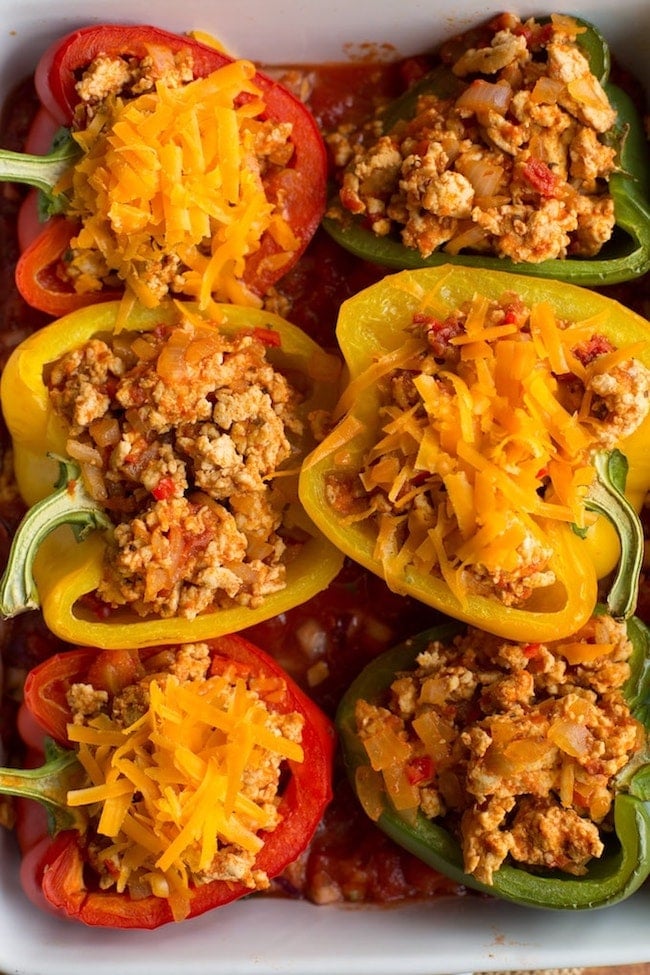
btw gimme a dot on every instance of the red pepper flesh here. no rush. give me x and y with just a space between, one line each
53 869
300 187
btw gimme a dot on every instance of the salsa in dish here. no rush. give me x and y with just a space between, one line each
147 435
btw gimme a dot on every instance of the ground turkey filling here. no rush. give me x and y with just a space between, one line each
514 165
515 747
179 432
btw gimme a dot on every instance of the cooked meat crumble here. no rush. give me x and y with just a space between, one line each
515 747
127 77
179 432
514 165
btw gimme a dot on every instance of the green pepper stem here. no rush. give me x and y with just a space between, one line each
49 784
70 505
43 172
606 497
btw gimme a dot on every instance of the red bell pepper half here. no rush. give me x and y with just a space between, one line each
55 871
40 277
301 186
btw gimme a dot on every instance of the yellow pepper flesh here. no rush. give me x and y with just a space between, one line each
67 570
371 327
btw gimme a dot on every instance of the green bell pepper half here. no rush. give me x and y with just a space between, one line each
624 257
616 875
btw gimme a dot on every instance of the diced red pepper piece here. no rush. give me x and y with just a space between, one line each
541 177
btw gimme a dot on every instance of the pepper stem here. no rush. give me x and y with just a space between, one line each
43 172
49 784
70 505
606 497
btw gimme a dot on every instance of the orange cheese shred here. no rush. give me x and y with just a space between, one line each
480 450
170 184
171 787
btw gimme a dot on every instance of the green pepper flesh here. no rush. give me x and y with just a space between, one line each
625 257
616 875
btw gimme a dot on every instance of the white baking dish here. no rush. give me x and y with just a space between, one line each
262 937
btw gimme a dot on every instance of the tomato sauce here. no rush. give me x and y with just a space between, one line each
324 643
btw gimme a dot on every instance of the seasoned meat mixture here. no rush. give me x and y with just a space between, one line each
179 432
108 76
486 432
515 747
136 737
514 165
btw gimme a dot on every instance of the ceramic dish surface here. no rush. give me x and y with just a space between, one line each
265 936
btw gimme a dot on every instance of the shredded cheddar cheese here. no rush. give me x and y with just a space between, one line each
170 190
182 794
488 421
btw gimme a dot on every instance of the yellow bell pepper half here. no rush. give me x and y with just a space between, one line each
68 565
426 555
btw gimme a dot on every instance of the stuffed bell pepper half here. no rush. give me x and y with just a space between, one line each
515 152
179 170
489 453
178 442
177 779
518 768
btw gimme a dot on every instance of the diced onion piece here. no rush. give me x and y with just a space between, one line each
85 453
95 484
105 431
386 749
546 90
572 738
435 733
369 789
470 239
587 91
567 782
483 96
404 796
